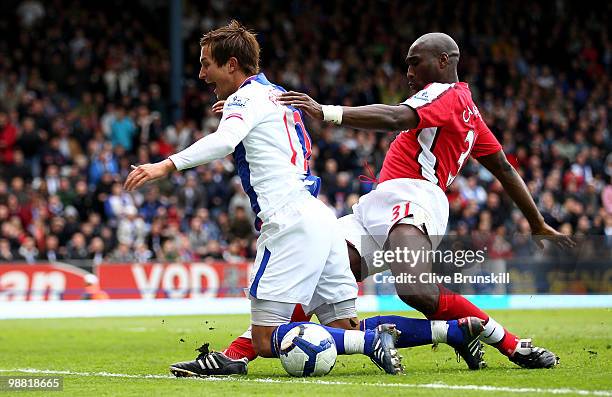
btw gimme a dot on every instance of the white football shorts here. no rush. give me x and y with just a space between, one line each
302 257
406 201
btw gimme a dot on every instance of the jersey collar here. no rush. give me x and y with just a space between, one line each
260 78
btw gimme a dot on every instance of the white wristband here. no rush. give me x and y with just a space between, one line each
332 113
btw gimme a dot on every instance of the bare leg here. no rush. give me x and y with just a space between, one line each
422 296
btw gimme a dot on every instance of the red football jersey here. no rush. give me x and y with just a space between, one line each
450 129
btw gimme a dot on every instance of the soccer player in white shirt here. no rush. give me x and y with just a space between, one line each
301 251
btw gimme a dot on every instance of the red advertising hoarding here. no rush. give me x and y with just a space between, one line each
173 280
58 281
39 282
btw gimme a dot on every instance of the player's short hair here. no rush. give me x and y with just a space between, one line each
233 40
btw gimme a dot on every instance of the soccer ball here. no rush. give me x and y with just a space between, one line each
308 350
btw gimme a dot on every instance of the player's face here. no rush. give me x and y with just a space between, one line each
423 68
217 75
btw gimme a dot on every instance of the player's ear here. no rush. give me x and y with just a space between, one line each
443 60
232 64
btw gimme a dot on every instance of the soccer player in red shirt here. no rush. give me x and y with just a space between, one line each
441 127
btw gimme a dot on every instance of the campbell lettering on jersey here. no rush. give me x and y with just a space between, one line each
469 112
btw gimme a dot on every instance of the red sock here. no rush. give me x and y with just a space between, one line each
507 345
242 347
452 306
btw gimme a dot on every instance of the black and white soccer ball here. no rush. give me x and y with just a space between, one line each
308 350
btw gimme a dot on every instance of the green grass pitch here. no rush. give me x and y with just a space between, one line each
92 349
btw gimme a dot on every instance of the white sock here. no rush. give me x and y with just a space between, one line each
493 332
354 342
439 331
247 334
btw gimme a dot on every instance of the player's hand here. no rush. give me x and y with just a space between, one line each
303 102
218 107
546 232
147 172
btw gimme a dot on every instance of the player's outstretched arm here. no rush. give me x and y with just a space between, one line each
376 117
513 184
147 172
209 148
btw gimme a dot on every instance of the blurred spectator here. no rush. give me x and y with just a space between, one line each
132 228
30 12
122 254
118 204
240 199
77 247
191 196
213 250
104 162
197 236
471 191
6 253
30 142
240 226
96 250
51 252
142 254
233 253
149 208
8 137
19 167
606 197
169 251
122 130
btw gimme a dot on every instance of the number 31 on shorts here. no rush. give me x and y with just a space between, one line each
400 211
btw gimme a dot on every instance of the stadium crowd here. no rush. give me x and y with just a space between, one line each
83 95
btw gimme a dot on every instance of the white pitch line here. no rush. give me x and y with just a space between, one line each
440 386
